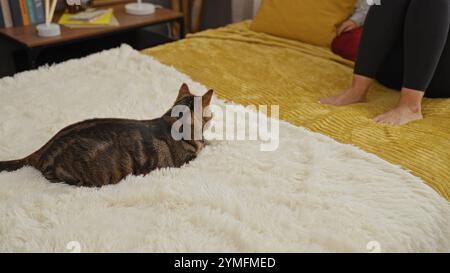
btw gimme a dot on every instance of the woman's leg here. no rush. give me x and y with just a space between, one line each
425 37
391 71
391 75
382 30
440 85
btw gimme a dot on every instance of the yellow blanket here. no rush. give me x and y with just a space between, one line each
253 68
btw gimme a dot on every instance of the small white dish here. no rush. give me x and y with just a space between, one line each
50 30
140 8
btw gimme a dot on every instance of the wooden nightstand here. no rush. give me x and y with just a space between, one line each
191 10
26 37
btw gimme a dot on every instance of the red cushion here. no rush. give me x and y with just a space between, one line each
347 44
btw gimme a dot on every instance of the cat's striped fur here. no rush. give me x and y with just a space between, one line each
99 152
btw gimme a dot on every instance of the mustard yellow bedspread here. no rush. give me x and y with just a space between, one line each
253 68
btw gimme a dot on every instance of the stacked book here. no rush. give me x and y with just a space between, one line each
88 19
14 13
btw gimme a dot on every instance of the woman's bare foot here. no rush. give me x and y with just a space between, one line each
408 109
400 115
355 94
349 96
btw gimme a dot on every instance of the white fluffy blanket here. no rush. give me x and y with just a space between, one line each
312 194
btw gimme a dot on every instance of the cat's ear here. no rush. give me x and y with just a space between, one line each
184 91
206 99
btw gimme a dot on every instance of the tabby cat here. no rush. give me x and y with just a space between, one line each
99 152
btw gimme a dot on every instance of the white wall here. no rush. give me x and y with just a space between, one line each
256 4
244 9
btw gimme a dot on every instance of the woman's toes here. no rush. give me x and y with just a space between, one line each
385 118
329 100
323 101
379 118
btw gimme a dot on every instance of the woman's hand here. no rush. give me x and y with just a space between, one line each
346 26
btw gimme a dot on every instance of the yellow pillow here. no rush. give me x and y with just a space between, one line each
311 21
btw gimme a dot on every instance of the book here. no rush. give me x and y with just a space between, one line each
40 13
113 23
2 22
31 11
15 13
6 12
98 3
88 15
23 12
103 20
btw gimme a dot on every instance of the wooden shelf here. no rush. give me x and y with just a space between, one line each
27 35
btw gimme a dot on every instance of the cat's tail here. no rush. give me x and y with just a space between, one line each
12 165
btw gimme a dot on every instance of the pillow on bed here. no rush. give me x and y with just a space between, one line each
311 21
347 44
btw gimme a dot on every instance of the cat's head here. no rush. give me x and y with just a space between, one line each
198 108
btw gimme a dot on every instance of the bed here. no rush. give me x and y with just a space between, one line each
312 194
247 67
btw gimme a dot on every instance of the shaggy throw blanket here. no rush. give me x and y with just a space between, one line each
312 194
